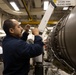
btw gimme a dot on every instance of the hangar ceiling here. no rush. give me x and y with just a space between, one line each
35 10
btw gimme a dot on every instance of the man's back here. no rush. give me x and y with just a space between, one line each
17 53
14 63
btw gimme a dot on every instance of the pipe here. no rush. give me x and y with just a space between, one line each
37 22
25 6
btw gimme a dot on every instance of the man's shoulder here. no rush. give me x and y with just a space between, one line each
11 40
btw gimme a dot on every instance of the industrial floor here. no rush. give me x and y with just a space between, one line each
1 69
31 71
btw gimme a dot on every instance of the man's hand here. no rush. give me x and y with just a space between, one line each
27 27
35 31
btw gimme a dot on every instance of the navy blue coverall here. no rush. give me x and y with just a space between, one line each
17 53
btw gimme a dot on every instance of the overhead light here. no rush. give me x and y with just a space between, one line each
65 8
13 4
46 3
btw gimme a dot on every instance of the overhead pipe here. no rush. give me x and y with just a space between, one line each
25 6
37 22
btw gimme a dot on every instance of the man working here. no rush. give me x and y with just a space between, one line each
17 52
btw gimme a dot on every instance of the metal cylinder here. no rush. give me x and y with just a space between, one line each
63 40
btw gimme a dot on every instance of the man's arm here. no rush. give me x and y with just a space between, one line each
25 34
31 50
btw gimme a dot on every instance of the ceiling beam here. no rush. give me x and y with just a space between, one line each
37 3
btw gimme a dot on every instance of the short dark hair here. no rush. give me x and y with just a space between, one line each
7 25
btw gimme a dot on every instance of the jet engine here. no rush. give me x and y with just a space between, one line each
61 43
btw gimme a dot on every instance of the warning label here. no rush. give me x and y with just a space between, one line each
65 3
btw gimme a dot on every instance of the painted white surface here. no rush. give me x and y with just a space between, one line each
2 33
1 50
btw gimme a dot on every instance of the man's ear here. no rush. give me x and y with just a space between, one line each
11 30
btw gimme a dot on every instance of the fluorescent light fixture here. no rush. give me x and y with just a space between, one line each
46 3
13 4
65 8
